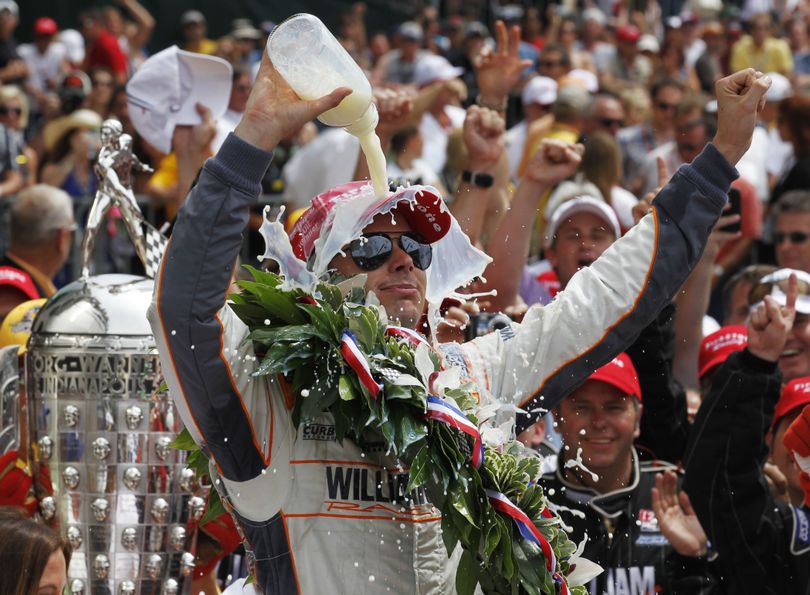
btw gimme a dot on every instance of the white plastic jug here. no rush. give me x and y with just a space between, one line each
314 64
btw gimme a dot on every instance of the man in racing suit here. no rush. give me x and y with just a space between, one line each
319 516
604 492
763 544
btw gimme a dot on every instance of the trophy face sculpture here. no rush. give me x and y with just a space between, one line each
98 421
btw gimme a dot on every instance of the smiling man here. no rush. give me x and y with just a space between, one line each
792 234
299 496
604 491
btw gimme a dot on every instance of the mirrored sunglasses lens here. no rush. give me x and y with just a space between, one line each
420 253
371 252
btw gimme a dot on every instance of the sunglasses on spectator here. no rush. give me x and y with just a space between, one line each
4 110
794 237
667 107
374 249
550 63
611 123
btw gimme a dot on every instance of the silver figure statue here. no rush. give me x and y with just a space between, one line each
114 170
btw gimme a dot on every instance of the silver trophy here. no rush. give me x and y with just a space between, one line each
114 170
99 423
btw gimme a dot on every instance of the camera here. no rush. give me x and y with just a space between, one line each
486 322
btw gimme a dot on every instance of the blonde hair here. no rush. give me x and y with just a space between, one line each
637 105
14 92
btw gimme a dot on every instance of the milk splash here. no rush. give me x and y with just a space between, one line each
277 247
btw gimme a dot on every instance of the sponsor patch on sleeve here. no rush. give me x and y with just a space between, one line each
801 531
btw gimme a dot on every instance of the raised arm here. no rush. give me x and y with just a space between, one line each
553 162
198 342
606 305
724 462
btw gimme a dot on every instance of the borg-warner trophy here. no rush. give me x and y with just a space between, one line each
99 423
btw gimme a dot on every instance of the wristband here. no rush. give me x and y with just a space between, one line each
496 108
478 178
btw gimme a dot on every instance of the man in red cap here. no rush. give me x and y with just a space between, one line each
715 349
762 543
797 441
795 396
299 496
605 492
627 66
47 61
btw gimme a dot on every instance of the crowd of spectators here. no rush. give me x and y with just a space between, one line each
473 103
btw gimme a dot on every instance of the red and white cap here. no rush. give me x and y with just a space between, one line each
428 216
621 373
795 394
715 348
14 277
340 214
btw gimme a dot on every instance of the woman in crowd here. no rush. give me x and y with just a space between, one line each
14 111
71 145
33 557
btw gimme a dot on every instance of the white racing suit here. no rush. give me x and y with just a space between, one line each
321 517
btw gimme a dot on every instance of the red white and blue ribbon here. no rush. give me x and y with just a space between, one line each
529 532
443 411
357 362
410 335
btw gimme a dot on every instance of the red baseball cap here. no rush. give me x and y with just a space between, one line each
621 373
45 26
629 33
715 348
427 215
795 394
14 277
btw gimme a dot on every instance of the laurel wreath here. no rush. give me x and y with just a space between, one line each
298 337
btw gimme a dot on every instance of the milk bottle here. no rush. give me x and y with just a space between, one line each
314 63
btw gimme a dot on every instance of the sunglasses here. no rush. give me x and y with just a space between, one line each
550 63
4 111
374 249
611 123
794 237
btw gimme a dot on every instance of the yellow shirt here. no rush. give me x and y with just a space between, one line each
773 56
204 46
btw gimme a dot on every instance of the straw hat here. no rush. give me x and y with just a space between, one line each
82 118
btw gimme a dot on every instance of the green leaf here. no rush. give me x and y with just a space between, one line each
278 303
331 295
450 534
288 333
419 470
184 441
345 389
213 508
467 574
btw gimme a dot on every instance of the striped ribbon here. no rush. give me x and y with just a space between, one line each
443 411
410 335
529 532
357 362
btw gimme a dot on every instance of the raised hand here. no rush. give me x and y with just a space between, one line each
770 324
740 96
483 137
499 71
394 108
274 111
553 162
676 518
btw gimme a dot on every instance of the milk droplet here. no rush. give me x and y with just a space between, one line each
371 578
174 332
304 392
